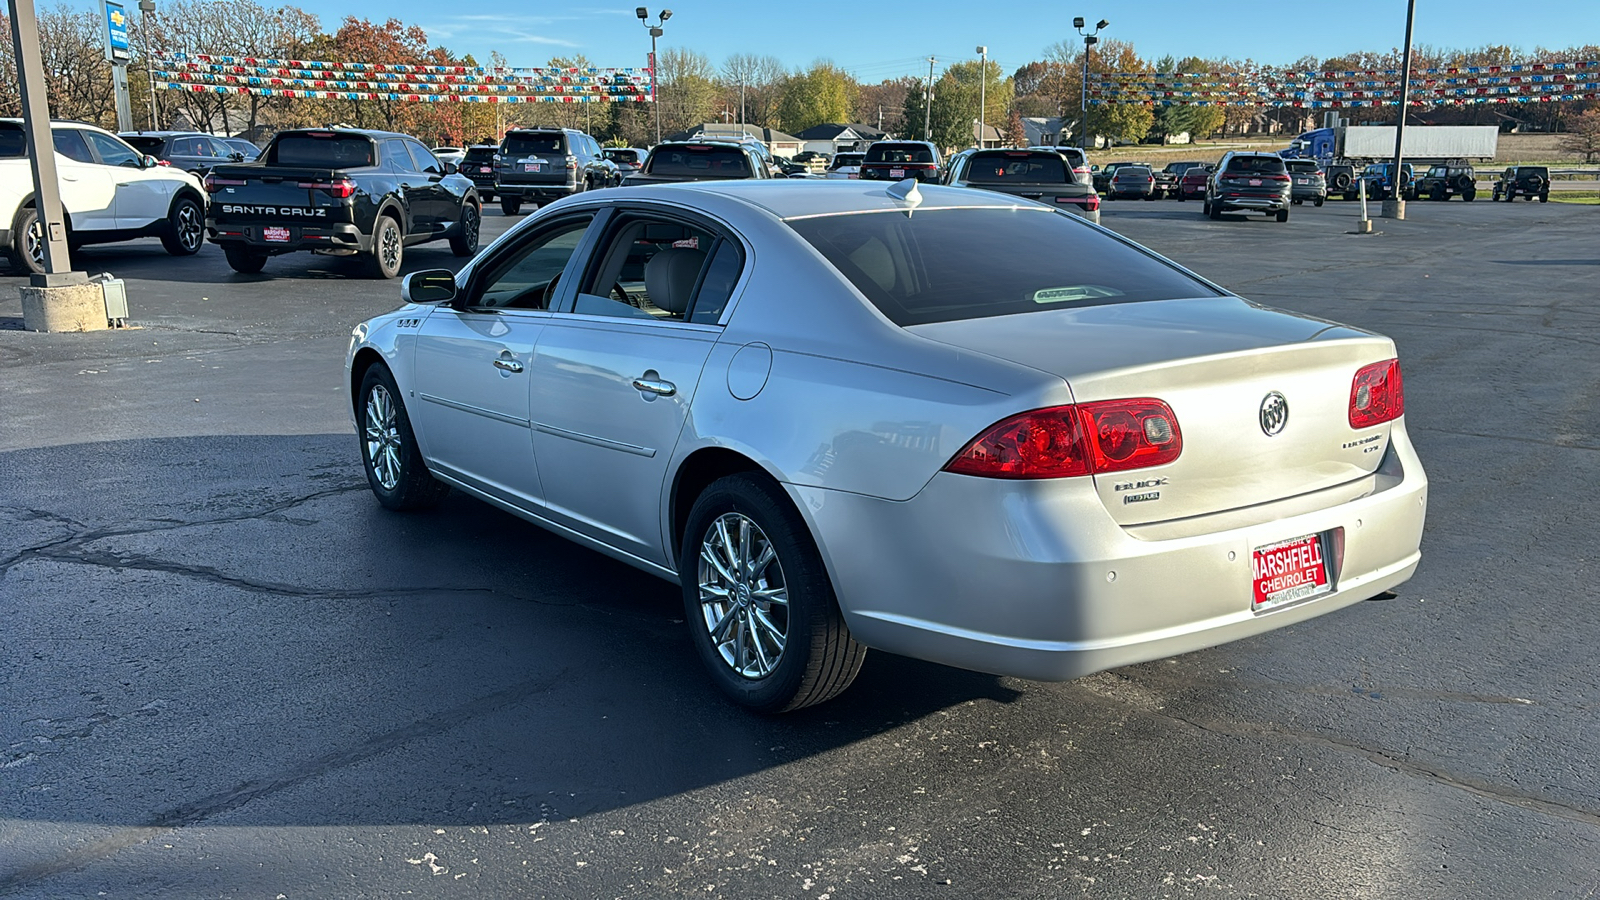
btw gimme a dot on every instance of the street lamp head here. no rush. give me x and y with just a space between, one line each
666 14
642 13
983 51
1077 22
1089 40
1101 24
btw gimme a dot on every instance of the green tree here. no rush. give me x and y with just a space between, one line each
822 93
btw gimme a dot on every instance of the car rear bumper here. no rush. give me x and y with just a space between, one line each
1034 579
1308 192
535 190
1253 202
301 237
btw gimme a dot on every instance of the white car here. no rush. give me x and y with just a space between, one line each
110 192
450 156
845 165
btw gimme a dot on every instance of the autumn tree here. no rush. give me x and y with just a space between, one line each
820 94
752 87
883 104
688 90
1583 135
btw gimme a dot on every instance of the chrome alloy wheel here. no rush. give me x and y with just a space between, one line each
389 247
469 227
33 242
744 600
382 437
190 228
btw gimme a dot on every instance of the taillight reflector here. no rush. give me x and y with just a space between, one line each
1074 440
1377 394
212 183
336 189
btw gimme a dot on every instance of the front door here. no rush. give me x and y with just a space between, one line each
616 371
474 363
143 196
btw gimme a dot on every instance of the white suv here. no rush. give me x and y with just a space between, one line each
111 192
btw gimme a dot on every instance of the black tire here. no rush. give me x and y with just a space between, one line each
395 471
1463 183
1180 197
1283 215
1544 197
1437 193
186 228
1319 201
27 242
1470 194
510 205
818 658
1533 185
243 259
1214 211
465 241
388 248
1341 182
486 197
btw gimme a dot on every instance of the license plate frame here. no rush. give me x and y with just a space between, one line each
897 173
533 167
1289 571
273 234
1255 182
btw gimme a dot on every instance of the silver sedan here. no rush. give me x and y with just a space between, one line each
948 424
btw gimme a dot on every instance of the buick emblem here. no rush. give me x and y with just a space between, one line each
1274 413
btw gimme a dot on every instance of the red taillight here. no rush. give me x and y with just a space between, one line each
163 162
338 190
1068 441
1094 202
1377 394
213 184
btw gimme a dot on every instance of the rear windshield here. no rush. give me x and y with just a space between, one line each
520 144
899 153
847 159
699 162
145 143
943 265
324 151
1133 172
1256 165
1301 165
480 154
1180 168
631 157
1009 168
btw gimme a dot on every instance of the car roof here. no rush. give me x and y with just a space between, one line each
354 132
167 134
791 199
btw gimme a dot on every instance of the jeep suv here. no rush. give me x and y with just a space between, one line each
1439 182
1529 181
1309 183
897 160
1249 182
546 164
1379 178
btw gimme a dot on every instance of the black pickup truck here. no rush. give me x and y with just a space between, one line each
340 192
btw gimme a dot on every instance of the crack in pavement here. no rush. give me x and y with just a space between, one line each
196 811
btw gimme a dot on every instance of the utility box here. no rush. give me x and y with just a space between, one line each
115 291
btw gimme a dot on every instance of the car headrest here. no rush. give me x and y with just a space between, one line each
669 277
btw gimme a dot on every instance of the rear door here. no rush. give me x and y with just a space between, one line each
438 205
615 374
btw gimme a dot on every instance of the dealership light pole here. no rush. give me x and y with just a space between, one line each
146 7
927 113
1089 40
983 85
1395 206
655 32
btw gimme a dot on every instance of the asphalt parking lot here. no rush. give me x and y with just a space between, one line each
225 671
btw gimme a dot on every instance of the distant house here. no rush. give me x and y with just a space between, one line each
784 145
992 137
832 137
1047 131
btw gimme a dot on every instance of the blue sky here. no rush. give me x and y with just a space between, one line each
800 32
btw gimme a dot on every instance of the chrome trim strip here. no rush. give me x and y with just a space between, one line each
475 410
591 439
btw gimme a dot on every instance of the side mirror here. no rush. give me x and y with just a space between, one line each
429 286
148 162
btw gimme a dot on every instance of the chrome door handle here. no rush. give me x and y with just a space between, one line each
506 363
655 386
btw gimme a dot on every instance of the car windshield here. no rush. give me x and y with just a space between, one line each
944 265
899 153
1256 165
523 144
1006 168
321 150
699 161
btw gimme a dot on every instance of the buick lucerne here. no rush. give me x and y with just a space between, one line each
950 424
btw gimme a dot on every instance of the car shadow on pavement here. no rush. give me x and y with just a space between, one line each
265 634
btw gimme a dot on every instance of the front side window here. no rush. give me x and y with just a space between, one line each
528 277
948 264
424 159
112 151
662 270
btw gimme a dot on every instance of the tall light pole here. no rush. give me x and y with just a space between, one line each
1395 206
655 32
983 85
1089 40
146 7
927 115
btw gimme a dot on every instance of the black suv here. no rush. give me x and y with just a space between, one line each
1309 182
1441 181
188 150
899 160
546 164
1529 181
478 164
1341 180
1249 182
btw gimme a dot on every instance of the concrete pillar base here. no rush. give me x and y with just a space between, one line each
1364 226
75 307
1394 209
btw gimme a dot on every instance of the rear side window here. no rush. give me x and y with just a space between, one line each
1005 168
530 144
321 151
899 153
944 265
1256 165
700 162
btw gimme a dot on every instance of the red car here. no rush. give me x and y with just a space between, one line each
1192 186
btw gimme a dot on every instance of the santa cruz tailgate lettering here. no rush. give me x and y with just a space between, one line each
236 209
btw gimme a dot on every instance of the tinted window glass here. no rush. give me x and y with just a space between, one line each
947 264
322 152
396 158
480 154
1133 172
112 151
69 143
716 286
1303 166
13 143
630 157
1256 165
899 153
847 159
527 280
425 160
1003 168
699 161
144 143
529 144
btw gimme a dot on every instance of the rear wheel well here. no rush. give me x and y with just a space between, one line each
695 475
365 359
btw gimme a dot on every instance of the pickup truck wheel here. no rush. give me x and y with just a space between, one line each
243 259
465 243
388 249
186 228
510 205
27 242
